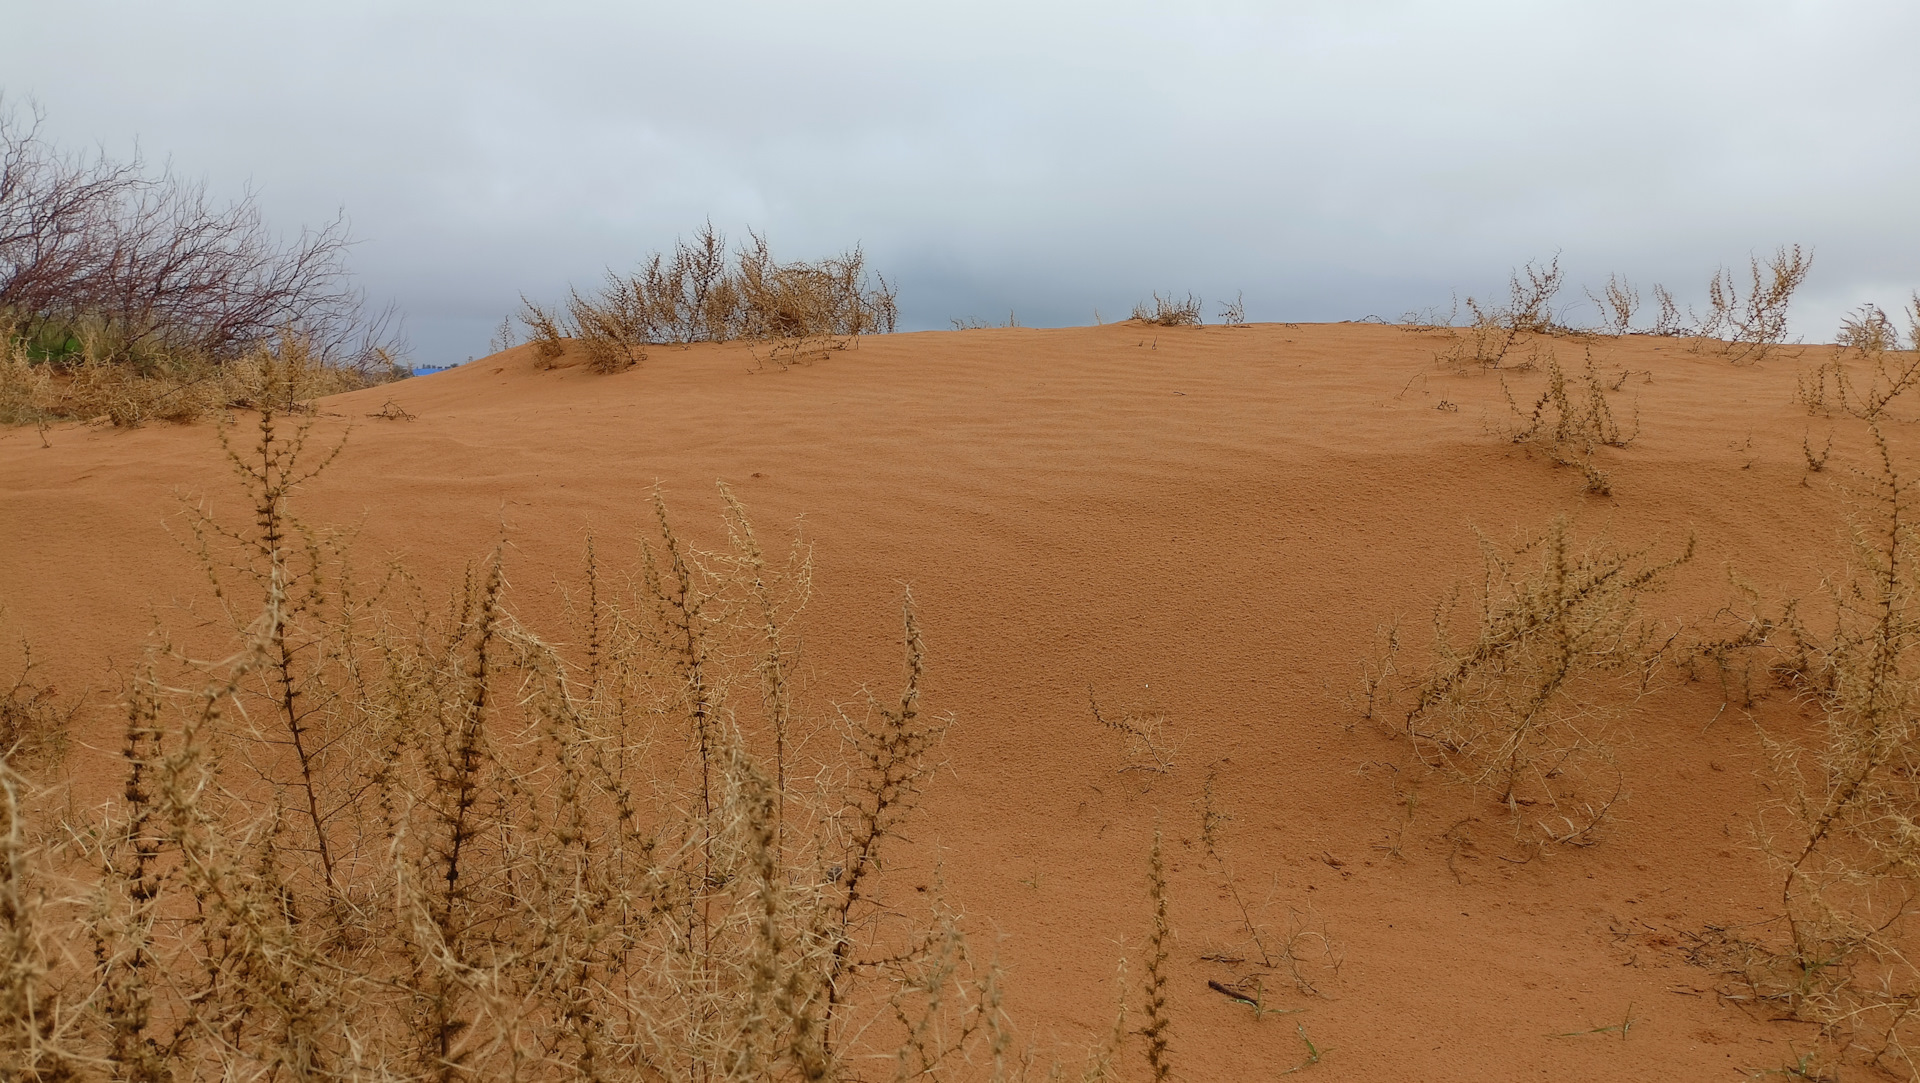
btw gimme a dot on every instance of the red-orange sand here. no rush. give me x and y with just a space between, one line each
1208 522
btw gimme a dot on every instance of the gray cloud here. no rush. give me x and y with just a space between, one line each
1328 159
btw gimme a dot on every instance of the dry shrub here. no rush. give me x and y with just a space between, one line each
1868 330
1169 311
695 294
1495 329
33 1026
1234 313
178 387
1668 323
1263 956
975 323
1617 302
1845 837
1523 708
1755 323
1569 431
1867 370
128 294
390 840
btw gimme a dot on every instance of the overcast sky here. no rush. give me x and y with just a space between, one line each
1331 160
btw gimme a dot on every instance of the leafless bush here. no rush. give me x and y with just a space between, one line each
1755 323
134 263
1843 837
1668 323
975 323
1570 431
1864 379
1868 330
1234 313
694 295
1169 311
33 720
1617 302
1519 708
1494 329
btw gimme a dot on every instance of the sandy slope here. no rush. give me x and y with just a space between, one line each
1208 522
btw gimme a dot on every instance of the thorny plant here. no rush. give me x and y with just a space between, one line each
1754 323
1866 372
381 842
700 293
1845 839
1618 301
33 719
1522 707
1569 431
1494 330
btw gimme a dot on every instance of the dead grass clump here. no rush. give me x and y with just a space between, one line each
1169 311
1523 708
1569 430
177 387
698 294
1754 324
388 839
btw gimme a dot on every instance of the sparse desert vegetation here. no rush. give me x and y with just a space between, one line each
1025 762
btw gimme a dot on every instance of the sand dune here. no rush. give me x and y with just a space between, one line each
1207 523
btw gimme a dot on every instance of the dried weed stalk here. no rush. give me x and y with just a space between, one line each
1618 302
1148 747
1569 431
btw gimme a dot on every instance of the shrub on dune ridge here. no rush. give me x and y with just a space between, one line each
699 294
1169 311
